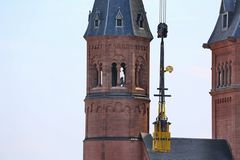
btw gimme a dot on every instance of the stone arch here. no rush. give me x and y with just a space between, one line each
140 72
118 59
95 70
119 70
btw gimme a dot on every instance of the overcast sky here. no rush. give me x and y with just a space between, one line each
43 74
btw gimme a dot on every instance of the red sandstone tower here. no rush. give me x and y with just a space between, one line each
117 101
225 45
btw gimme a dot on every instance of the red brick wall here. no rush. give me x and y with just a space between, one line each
226 99
114 150
113 117
111 120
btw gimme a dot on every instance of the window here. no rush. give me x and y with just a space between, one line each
96 23
140 20
223 77
95 76
100 75
219 76
140 72
119 19
114 74
122 75
139 77
97 19
230 74
137 69
141 24
227 74
225 21
119 22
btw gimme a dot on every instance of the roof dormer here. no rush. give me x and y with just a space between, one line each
96 19
225 20
140 19
119 19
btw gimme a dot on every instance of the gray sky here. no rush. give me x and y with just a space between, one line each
43 74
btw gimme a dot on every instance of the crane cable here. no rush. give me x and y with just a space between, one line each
162 11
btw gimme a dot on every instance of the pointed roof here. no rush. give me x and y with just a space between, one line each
190 149
230 15
109 10
119 14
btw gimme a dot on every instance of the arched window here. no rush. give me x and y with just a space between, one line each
226 74
219 76
230 74
137 70
140 71
141 75
122 75
222 76
114 74
95 76
100 82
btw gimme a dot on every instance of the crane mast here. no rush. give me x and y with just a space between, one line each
161 134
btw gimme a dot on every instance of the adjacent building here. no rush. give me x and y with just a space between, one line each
225 46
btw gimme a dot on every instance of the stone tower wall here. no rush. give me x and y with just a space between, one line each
226 93
116 113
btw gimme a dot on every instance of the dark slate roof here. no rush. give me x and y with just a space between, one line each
190 149
107 11
232 8
228 6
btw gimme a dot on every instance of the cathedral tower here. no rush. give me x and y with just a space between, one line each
225 45
117 101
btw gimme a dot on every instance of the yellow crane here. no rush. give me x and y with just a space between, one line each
161 135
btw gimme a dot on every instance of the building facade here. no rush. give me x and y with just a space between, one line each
225 46
117 101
